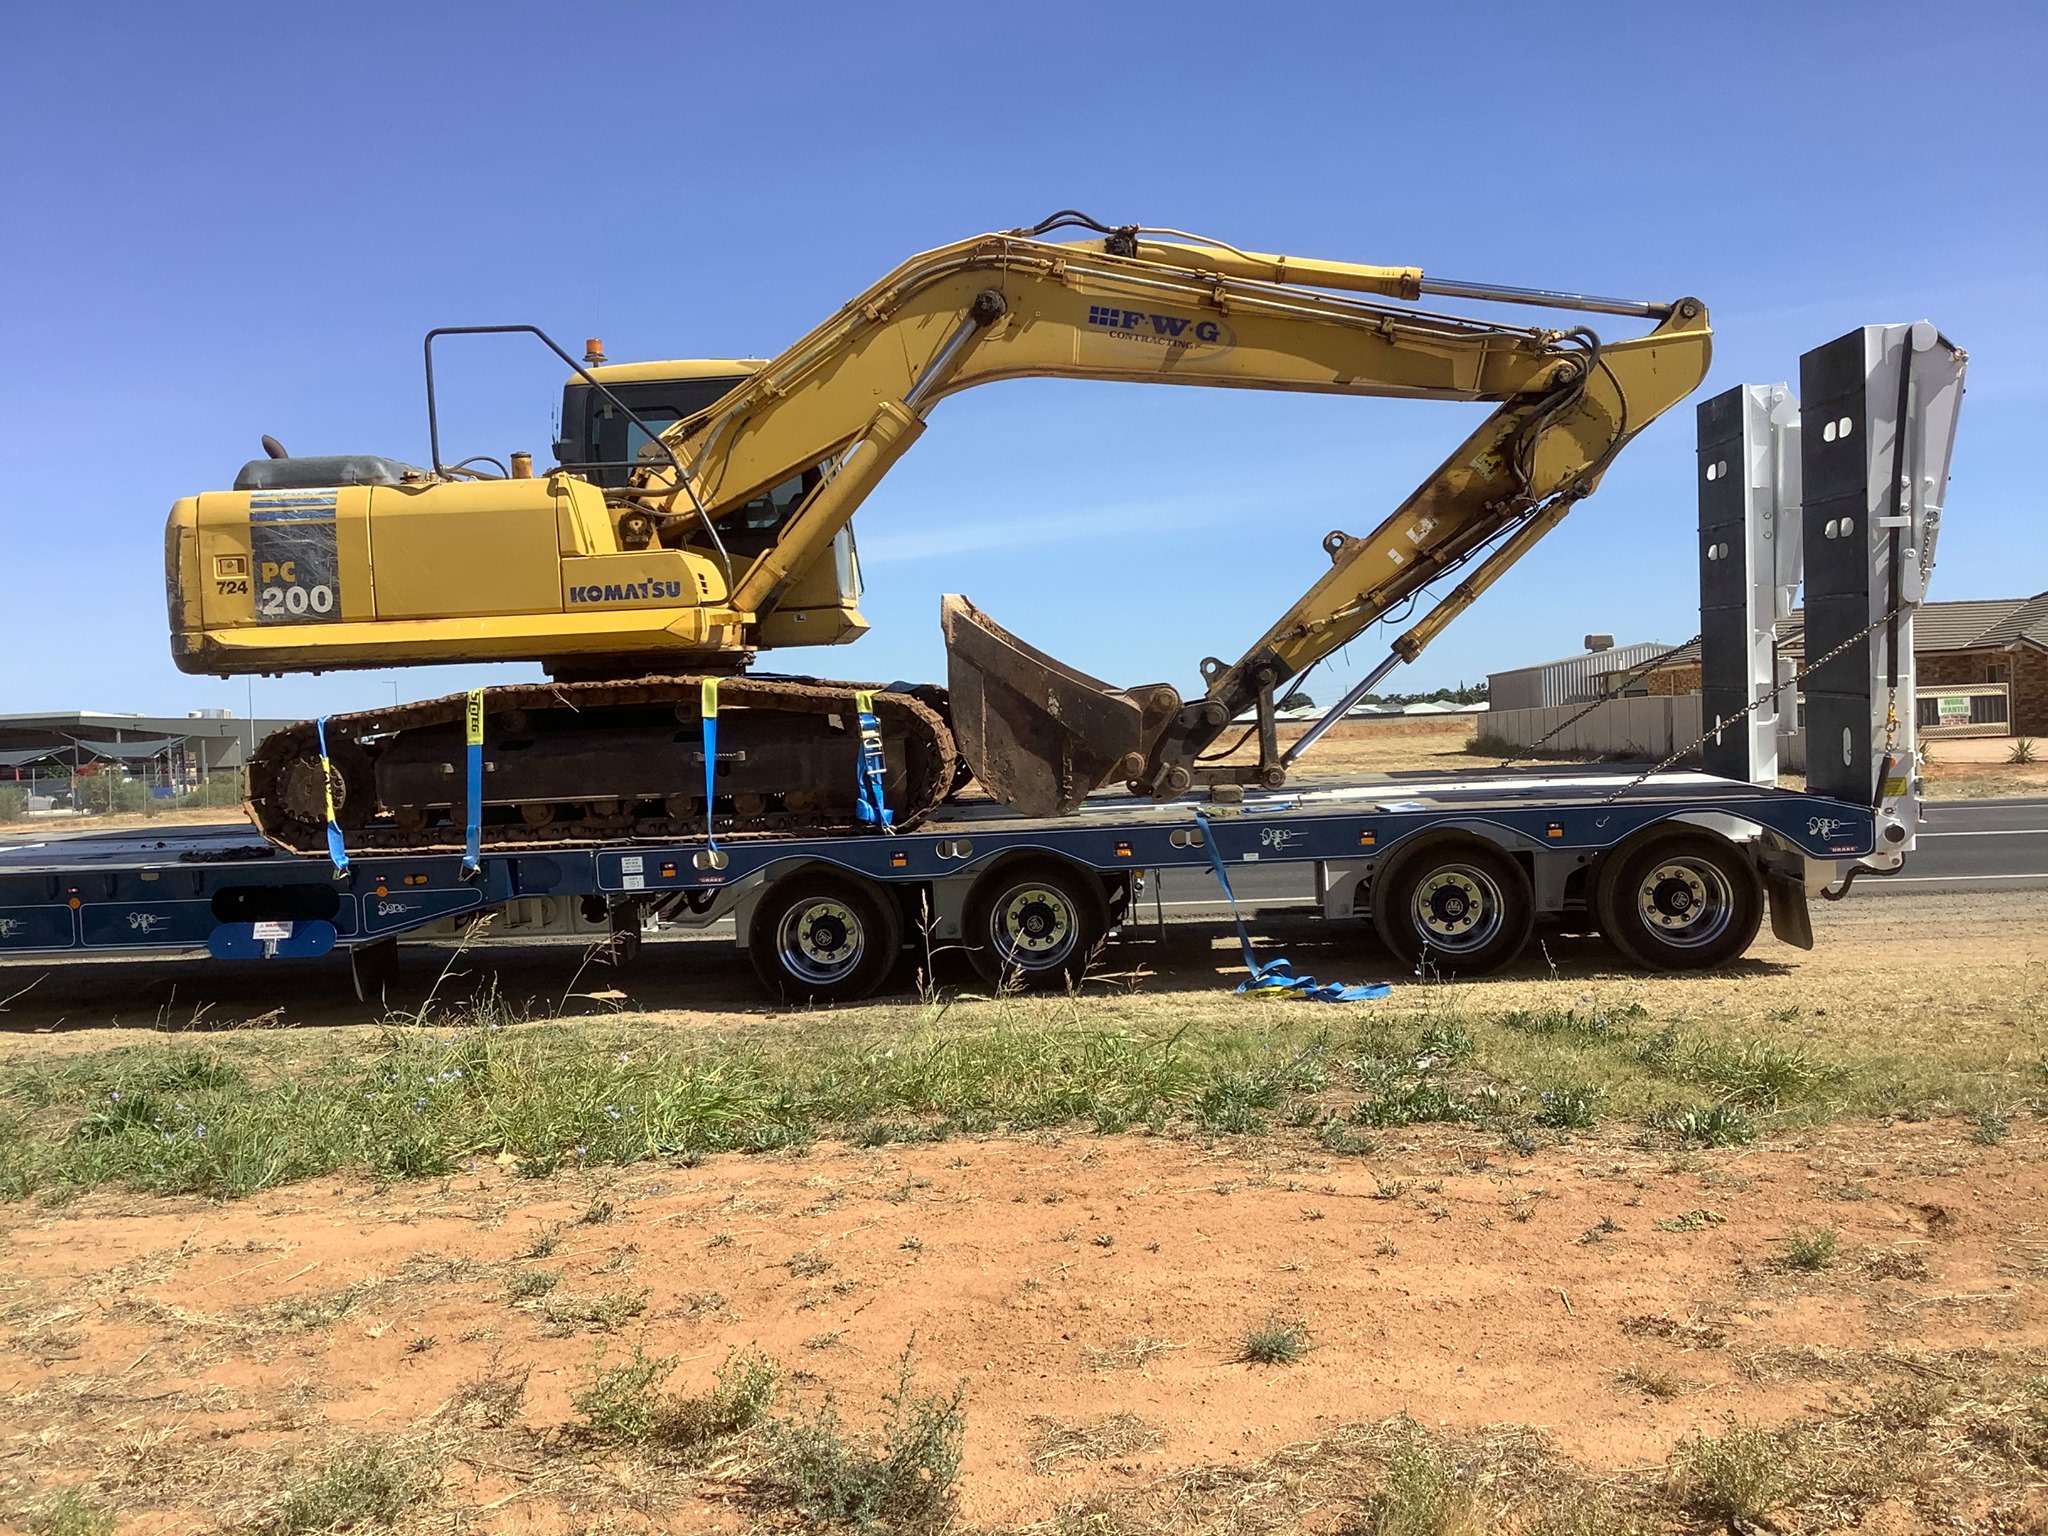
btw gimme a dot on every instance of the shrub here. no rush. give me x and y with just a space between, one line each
1736 1477
911 1485
623 1403
2021 752
218 790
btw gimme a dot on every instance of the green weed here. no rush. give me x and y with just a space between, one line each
1569 1109
1754 1073
603 1312
70 1513
447 1086
370 1485
909 1484
1706 1125
1425 1493
1739 1475
1990 1129
1810 1248
1274 1342
532 1284
624 1404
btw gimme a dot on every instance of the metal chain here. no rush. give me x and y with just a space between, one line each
1649 666
1891 723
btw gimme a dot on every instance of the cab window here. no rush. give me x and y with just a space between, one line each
597 434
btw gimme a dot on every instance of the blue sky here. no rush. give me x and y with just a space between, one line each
225 220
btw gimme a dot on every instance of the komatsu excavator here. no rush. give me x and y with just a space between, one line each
700 514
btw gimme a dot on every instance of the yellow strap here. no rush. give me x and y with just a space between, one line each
473 718
864 701
707 697
327 782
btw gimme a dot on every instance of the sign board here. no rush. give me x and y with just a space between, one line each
1954 709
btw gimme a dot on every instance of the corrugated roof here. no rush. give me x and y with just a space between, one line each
1614 658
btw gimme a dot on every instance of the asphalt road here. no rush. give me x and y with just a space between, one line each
1964 846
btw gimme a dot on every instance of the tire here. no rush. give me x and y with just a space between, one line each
825 938
1460 904
1036 924
1679 901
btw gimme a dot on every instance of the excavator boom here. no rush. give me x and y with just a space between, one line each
1041 736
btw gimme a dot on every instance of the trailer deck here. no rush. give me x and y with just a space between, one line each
223 891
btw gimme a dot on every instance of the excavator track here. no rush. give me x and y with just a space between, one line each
570 764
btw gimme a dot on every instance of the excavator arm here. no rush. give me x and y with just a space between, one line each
853 396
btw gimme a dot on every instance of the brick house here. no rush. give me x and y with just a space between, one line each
1971 644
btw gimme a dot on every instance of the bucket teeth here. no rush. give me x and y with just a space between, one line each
1038 735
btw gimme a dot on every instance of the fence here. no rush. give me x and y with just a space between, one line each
1646 728
26 795
1970 709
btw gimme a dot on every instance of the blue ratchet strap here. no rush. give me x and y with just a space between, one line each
335 848
707 705
871 806
473 836
1276 978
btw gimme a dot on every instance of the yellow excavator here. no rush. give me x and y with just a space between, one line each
701 514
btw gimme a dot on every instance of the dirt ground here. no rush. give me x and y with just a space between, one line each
1967 769
185 1355
185 1359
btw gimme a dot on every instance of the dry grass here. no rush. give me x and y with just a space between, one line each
1104 1439
1954 1023
1127 1354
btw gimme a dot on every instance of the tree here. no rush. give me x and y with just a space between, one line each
1297 700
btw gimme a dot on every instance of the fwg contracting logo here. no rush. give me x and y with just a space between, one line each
1824 826
1180 334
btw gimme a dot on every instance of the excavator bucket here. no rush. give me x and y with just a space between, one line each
1038 735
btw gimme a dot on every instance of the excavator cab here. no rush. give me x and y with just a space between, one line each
602 444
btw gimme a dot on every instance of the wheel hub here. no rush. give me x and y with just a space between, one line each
1458 908
821 940
1688 901
1036 922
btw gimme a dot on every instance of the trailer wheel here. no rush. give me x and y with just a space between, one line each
821 937
1036 924
1679 901
1459 903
